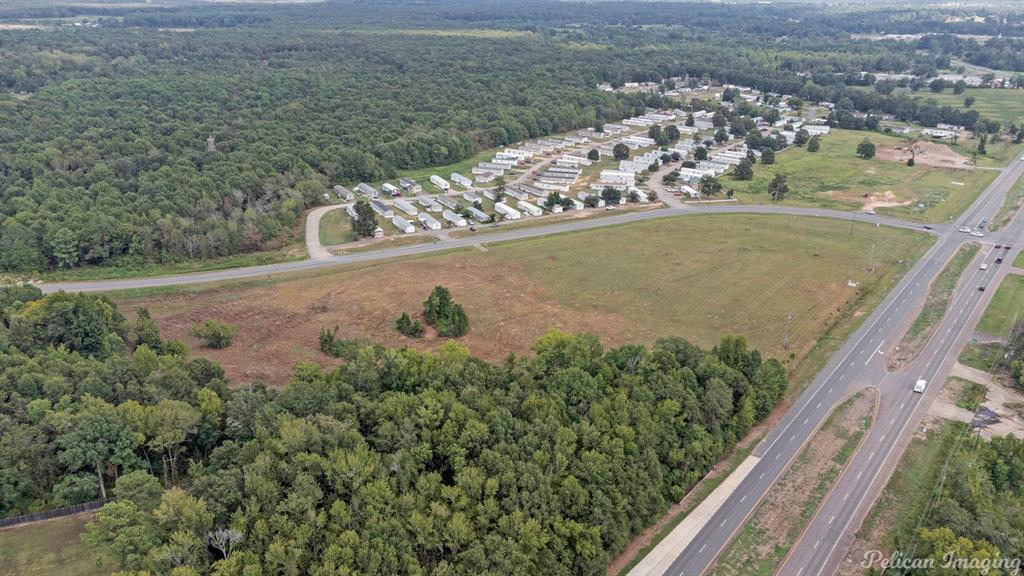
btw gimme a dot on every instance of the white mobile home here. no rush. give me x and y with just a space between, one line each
367 190
471 197
406 207
410 185
578 159
351 211
343 193
440 182
390 189
506 211
429 204
524 154
461 180
485 176
481 171
529 208
403 225
381 208
446 201
517 194
618 177
454 218
478 215
429 221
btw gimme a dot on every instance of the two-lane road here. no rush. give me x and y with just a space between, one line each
462 242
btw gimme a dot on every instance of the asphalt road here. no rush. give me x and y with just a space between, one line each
860 362
462 242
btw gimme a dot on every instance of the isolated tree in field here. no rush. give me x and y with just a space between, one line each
670 178
866 149
814 144
620 151
968 101
98 438
500 184
672 132
718 119
937 85
441 312
365 221
768 156
744 170
593 155
709 186
778 188
981 144
611 195
802 136
959 87
721 135
689 119
408 327
700 153
214 334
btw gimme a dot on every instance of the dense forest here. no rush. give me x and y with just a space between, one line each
976 508
396 463
104 150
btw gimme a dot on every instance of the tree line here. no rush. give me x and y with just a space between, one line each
398 462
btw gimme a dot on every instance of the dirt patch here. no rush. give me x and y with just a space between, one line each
279 325
925 154
780 518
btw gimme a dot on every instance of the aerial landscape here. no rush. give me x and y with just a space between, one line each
457 287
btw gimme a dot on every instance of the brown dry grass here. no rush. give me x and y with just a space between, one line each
697 277
925 154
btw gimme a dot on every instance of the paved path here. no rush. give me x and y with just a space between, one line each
462 242
313 246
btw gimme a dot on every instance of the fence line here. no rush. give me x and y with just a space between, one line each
51 514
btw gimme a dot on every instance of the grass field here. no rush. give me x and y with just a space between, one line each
1019 262
835 177
1014 200
700 277
986 357
1006 307
935 306
49 548
1004 105
775 525
336 228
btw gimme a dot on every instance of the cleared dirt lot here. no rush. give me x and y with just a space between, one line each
769 278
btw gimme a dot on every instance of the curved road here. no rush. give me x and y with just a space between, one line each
325 261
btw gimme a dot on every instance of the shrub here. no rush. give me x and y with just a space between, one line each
214 334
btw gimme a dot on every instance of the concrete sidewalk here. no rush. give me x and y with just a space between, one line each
658 560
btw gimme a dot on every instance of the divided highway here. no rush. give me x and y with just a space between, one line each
859 363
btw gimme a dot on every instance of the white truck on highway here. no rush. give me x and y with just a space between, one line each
919 387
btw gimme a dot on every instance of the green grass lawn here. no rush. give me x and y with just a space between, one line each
935 306
1004 105
336 228
1019 262
985 357
997 154
835 177
49 548
1014 198
1006 307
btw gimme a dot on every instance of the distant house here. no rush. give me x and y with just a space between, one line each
477 214
429 221
406 206
343 193
381 208
391 189
506 211
529 208
440 182
461 180
367 190
454 218
939 134
485 177
403 225
410 185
